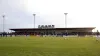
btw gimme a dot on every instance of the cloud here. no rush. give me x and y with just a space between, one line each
16 15
80 13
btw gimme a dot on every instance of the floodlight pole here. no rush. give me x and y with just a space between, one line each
3 23
65 19
34 19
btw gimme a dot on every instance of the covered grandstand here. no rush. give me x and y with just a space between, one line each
81 31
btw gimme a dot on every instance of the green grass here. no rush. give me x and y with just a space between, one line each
49 46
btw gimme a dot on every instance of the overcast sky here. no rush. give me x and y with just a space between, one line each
81 13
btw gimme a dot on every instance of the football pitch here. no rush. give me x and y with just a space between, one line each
49 46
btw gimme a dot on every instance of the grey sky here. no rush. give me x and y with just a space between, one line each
81 13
